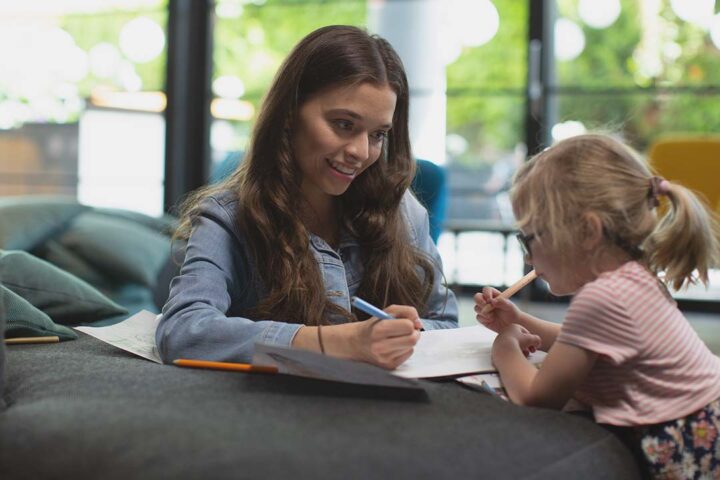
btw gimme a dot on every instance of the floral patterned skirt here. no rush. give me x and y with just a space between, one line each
685 448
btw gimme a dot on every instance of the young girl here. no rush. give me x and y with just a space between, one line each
318 211
586 210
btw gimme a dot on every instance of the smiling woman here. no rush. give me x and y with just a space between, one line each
319 211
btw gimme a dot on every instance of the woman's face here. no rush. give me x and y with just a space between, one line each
338 134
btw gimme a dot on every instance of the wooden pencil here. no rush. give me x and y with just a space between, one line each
512 290
23 340
235 367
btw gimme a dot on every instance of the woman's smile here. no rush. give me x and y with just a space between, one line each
345 172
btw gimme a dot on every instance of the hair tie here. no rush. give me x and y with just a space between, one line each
658 186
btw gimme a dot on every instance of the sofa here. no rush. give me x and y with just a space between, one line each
81 408
109 260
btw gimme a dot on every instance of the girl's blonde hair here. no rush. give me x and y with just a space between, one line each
595 173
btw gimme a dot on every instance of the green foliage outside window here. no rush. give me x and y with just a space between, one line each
604 87
89 30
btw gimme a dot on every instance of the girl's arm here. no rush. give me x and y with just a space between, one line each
547 331
506 313
562 371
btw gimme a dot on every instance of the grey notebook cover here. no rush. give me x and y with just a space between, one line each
303 363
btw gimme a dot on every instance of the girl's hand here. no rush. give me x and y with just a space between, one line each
513 337
388 343
504 314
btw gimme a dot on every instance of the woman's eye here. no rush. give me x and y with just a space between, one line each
343 124
380 136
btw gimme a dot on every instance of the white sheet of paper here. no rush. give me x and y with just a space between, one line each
455 351
438 353
135 335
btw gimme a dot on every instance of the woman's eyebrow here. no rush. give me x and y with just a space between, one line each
355 115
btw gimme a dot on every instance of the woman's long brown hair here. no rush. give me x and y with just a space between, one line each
267 184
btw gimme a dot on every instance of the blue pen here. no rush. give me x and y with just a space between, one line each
486 387
361 304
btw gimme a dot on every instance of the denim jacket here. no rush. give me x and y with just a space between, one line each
217 280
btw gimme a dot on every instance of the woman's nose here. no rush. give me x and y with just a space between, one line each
359 147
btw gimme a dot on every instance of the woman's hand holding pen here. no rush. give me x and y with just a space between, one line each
385 343
388 343
504 312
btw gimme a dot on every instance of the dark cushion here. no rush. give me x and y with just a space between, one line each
119 415
69 261
25 222
24 320
67 299
122 249
2 350
165 224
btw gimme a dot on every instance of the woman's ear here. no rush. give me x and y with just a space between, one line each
592 231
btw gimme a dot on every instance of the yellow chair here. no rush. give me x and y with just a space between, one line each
693 161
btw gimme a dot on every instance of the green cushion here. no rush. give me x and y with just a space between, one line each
2 353
165 224
24 320
67 299
26 221
123 250
69 261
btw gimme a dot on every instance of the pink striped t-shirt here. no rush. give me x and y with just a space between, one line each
652 367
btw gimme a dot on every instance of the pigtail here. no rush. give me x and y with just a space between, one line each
687 238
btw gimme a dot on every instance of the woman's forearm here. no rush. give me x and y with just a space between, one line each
385 343
336 340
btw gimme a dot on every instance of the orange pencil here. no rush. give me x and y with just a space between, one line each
512 290
23 340
235 367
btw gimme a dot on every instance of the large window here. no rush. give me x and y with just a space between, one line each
81 101
486 89
639 70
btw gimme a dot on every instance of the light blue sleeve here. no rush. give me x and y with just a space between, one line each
442 305
195 323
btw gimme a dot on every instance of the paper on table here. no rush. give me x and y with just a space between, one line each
303 363
135 335
438 353
455 351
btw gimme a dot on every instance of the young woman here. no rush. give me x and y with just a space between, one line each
318 211
586 211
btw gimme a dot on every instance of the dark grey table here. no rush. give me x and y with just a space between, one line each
84 409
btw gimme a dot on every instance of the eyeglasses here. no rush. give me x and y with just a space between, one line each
524 241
